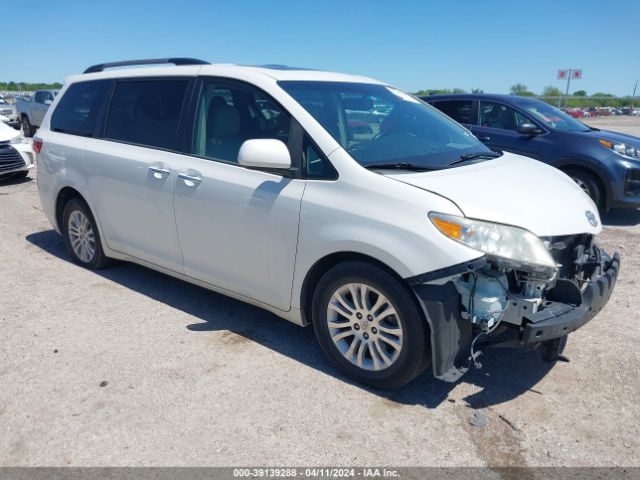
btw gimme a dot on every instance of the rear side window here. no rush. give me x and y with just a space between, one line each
78 108
460 110
146 112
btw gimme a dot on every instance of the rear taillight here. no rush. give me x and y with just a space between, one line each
37 144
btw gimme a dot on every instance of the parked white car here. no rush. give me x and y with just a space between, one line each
16 154
8 113
405 243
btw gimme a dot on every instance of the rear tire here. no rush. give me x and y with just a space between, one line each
369 325
589 184
81 235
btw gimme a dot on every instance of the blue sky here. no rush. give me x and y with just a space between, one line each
412 44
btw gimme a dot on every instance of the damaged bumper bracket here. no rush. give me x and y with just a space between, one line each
451 335
559 319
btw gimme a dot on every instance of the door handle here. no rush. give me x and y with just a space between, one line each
159 170
191 178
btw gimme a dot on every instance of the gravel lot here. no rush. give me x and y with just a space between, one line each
131 367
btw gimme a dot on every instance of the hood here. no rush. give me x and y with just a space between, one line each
8 133
615 136
513 190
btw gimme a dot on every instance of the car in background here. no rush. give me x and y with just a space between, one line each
16 153
9 112
605 164
31 111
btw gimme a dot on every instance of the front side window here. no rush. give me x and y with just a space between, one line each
39 97
77 110
146 112
229 114
498 115
460 110
377 124
551 116
315 165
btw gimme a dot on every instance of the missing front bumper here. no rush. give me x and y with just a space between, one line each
451 335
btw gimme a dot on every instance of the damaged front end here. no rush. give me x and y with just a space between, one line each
500 301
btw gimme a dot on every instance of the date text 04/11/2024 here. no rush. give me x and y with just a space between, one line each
323 472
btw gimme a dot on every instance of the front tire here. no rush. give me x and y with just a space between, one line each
370 326
81 235
589 185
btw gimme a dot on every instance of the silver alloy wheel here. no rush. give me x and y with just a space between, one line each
364 326
585 188
81 236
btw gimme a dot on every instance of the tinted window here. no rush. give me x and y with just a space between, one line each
147 112
76 113
230 114
39 98
460 110
498 115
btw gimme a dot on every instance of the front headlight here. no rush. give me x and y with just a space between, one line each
17 140
628 151
511 246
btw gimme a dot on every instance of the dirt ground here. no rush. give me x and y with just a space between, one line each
130 367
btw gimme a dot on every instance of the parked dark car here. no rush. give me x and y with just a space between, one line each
605 164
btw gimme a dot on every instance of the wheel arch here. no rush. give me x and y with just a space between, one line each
602 180
64 195
323 265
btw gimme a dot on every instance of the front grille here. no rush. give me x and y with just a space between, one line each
10 159
7 111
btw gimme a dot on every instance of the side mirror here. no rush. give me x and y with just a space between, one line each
264 153
529 129
48 101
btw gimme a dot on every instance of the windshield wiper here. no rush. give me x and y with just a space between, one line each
472 156
399 166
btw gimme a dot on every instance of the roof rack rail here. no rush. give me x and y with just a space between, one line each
150 61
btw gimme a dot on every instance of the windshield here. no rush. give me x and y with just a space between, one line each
377 124
551 116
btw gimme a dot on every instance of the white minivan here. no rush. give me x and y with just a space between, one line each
327 199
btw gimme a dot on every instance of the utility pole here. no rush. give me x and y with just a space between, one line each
633 97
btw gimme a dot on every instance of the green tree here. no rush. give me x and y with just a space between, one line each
550 91
580 93
438 91
29 86
521 90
